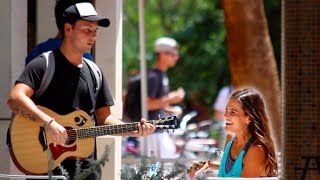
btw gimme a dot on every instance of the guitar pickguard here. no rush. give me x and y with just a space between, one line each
59 150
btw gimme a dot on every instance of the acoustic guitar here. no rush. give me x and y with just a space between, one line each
31 144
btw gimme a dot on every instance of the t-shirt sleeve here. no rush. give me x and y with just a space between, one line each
104 96
33 73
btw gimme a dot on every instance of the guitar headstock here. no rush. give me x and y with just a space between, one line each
169 122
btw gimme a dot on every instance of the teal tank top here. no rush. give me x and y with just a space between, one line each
237 166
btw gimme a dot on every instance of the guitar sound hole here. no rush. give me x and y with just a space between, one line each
72 136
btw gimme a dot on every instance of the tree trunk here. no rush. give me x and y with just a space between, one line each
250 54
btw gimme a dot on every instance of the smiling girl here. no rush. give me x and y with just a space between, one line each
249 149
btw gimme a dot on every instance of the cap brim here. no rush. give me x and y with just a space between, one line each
102 21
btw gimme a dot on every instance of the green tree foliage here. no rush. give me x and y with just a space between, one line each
199 28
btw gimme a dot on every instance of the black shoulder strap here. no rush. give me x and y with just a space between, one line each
94 81
48 74
90 85
251 140
97 74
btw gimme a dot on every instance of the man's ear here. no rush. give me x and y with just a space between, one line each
67 27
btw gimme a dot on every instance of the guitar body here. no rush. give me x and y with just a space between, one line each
30 143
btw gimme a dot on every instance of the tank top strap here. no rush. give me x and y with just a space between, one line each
228 147
229 144
222 170
251 140
233 137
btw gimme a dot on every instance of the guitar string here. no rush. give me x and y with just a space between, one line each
72 133
87 132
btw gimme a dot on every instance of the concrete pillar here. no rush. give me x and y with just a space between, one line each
13 20
45 20
108 55
13 49
112 168
108 49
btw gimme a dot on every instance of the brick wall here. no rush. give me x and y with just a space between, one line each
301 89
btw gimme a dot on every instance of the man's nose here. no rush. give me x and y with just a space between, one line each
94 36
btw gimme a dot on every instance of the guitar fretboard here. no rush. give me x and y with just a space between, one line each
91 132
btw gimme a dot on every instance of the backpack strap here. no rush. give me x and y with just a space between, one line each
97 74
94 85
48 74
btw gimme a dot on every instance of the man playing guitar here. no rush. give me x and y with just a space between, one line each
70 87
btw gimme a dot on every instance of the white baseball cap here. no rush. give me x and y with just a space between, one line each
165 44
86 12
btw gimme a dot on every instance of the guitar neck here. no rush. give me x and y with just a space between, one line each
96 131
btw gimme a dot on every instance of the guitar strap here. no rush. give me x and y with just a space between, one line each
90 84
48 74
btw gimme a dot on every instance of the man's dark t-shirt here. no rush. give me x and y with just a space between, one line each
158 86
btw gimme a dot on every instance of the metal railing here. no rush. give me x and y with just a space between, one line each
10 176
260 178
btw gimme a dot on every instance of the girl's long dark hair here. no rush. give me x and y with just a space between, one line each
253 105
